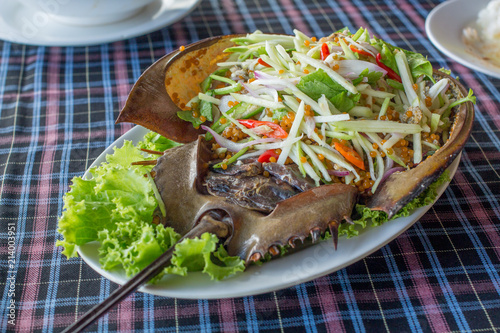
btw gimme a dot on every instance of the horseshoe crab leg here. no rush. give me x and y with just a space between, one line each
206 224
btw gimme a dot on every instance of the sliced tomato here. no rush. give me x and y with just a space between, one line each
266 156
325 51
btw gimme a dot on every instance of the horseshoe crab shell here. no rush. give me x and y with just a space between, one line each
153 103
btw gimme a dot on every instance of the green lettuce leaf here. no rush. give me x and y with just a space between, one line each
419 65
387 57
369 217
319 83
99 203
200 255
134 245
343 102
188 116
206 107
220 265
154 141
115 207
372 77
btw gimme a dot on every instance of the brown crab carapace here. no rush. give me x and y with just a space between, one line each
252 233
163 90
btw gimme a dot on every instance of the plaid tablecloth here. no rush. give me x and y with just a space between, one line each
57 111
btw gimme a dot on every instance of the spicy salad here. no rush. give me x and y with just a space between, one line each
347 108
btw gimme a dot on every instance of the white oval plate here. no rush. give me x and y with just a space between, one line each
444 27
305 265
20 24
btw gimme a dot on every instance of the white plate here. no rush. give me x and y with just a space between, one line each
305 265
23 25
444 27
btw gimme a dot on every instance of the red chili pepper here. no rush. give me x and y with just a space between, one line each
266 156
263 63
390 73
277 131
362 52
325 51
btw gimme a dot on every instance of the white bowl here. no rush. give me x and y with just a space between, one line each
86 12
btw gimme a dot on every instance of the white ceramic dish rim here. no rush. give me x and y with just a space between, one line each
444 26
14 17
305 265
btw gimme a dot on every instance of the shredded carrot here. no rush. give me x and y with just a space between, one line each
362 52
350 155
263 63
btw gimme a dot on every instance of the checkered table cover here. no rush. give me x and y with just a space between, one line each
57 112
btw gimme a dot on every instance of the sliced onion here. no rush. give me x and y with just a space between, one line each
440 86
259 75
234 146
390 172
259 91
251 154
278 145
334 52
271 92
223 106
273 82
369 47
352 68
339 173
310 125
389 163
251 91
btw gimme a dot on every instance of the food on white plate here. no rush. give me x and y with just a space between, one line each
284 138
483 38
